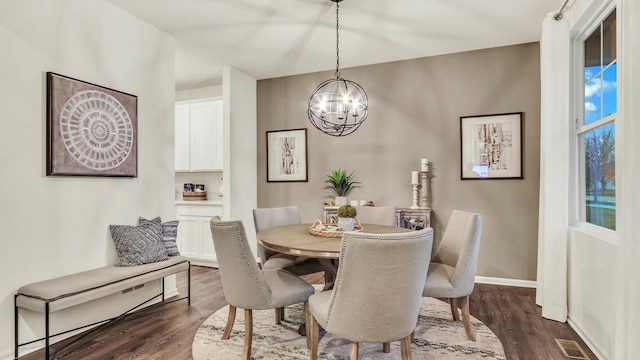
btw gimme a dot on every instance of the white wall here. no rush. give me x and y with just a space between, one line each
240 152
199 93
54 226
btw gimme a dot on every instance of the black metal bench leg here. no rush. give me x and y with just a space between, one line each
189 285
46 330
15 324
163 289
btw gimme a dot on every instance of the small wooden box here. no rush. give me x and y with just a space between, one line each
194 195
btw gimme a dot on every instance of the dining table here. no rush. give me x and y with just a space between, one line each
297 240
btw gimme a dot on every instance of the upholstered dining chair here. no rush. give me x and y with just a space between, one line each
379 215
377 293
266 218
245 285
452 270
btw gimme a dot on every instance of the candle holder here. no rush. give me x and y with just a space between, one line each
425 189
415 196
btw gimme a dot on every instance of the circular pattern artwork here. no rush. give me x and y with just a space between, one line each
96 130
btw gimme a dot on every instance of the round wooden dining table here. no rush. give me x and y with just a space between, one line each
298 241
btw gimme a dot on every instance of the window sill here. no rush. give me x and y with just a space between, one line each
597 232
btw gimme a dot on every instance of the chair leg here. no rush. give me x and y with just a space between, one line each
454 309
315 336
230 320
466 318
405 347
354 350
307 325
248 334
279 312
386 347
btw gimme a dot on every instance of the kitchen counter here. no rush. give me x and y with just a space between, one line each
215 202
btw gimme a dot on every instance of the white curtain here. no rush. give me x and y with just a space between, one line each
555 132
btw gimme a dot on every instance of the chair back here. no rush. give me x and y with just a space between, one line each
379 215
459 248
378 288
242 281
266 218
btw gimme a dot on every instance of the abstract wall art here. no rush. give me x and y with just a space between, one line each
287 155
91 130
491 146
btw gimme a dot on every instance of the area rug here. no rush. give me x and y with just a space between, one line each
437 337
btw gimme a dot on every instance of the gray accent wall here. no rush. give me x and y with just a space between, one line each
414 112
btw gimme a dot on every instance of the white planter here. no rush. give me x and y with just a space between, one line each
347 224
341 200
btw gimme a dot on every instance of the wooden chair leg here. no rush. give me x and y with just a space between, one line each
413 336
466 318
230 320
405 348
454 309
315 336
248 334
386 347
354 350
307 324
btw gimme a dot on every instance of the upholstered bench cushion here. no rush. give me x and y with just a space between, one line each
67 291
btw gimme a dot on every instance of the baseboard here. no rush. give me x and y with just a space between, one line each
587 340
168 293
506 282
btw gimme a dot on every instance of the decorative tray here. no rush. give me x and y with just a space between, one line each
318 228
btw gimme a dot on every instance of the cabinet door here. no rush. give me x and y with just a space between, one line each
189 236
182 138
218 131
202 136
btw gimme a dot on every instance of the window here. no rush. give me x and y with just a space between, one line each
597 126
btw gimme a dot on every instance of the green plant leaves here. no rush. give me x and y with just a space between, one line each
340 183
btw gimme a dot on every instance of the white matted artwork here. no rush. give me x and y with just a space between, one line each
287 155
91 130
491 146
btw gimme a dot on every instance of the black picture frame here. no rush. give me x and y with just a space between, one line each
287 156
491 146
91 130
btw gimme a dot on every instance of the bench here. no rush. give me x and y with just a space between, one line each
60 293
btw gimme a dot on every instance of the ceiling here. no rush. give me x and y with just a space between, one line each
273 38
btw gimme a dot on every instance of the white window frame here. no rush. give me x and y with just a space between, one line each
577 141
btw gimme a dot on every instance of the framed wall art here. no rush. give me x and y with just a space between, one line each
287 155
91 130
491 146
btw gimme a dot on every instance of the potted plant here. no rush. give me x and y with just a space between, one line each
341 185
346 217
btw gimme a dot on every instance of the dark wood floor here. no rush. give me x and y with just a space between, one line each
166 332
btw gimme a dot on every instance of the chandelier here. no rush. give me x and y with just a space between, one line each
338 106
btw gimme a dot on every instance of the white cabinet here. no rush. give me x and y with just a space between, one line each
194 234
199 135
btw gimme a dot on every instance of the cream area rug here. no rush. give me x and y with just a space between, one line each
437 337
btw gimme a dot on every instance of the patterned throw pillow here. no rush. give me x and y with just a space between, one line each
169 233
138 245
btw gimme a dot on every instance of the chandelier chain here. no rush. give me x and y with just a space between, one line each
337 40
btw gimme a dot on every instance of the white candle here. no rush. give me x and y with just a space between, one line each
424 165
414 177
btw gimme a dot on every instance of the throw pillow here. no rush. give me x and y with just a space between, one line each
138 245
169 234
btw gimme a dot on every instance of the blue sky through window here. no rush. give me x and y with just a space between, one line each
600 91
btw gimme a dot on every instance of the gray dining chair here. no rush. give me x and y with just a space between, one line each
377 293
452 270
379 215
245 285
266 218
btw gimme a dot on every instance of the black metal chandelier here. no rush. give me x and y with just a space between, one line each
338 106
